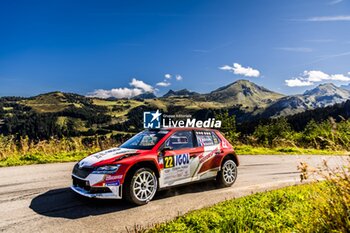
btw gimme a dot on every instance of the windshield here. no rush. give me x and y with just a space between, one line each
145 140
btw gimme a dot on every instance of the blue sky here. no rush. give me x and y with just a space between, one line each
129 46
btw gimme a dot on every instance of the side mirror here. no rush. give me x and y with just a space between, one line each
166 148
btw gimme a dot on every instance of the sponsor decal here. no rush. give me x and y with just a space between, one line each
160 160
203 157
107 154
103 153
176 168
175 173
114 183
154 120
113 177
203 133
176 161
224 144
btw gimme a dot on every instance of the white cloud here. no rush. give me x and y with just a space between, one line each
296 49
163 84
334 2
296 82
167 76
329 18
179 78
240 70
116 93
139 87
340 77
315 75
225 67
311 77
319 76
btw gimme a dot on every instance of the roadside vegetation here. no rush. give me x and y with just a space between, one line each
277 136
274 137
315 207
25 151
58 127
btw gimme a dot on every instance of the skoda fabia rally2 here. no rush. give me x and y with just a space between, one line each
156 159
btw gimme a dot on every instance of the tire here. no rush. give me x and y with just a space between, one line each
227 175
140 187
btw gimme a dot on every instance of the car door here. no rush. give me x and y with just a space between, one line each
209 160
180 160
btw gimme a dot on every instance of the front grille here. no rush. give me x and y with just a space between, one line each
81 183
99 190
82 172
85 185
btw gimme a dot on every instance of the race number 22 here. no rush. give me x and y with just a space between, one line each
168 162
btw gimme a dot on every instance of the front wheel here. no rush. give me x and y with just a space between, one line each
142 186
228 174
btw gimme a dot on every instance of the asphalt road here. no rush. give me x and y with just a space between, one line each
37 198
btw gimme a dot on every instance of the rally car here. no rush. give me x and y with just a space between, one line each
156 159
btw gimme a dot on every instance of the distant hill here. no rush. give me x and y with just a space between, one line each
322 96
147 95
55 101
245 93
68 114
298 121
180 93
338 112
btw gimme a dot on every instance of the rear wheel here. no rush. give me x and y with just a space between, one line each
141 187
228 173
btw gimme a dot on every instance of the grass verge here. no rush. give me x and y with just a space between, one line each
256 150
301 208
38 158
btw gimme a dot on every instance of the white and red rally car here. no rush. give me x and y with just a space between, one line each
156 159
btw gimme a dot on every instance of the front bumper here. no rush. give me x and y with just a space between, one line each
82 187
86 193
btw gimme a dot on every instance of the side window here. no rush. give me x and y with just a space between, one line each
180 140
207 138
216 139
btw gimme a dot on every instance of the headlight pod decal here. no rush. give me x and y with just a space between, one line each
107 169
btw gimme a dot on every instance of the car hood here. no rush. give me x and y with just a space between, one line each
109 155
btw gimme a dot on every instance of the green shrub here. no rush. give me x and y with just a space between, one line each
277 129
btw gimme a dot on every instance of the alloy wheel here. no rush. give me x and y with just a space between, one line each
145 186
229 171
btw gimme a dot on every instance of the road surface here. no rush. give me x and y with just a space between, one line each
37 198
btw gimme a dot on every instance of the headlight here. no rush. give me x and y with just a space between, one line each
108 169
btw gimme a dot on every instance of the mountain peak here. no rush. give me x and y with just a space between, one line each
321 96
182 92
326 89
146 95
243 81
244 92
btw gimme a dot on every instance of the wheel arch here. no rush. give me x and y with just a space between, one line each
232 156
142 164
